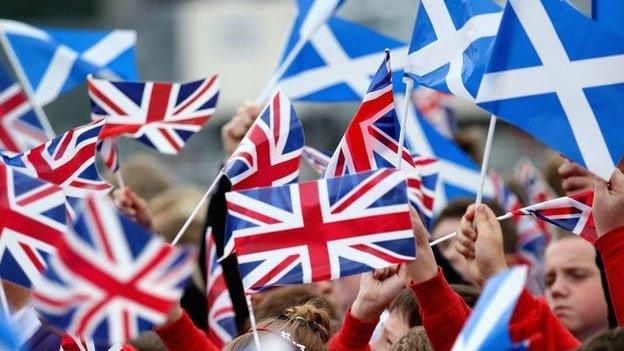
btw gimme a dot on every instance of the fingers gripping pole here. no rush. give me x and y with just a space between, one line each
454 234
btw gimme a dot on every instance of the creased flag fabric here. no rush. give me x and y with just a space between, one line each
555 73
320 230
56 60
162 116
318 160
20 127
487 327
572 213
451 43
67 161
74 343
112 279
32 220
331 68
221 316
270 152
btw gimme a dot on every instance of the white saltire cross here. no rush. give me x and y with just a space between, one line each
561 76
451 44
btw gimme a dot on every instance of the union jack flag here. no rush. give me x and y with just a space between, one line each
162 116
320 230
111 278
572 213
74 343
532 183
318 160
221 317
67 161
20 127
270 152
32 220
434 106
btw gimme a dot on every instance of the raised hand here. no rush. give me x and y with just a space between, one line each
377 290
133 206
575 178
424 267
608 207
233 131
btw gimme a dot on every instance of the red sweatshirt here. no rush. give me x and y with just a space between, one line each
611 248
354 334
184 335
444 313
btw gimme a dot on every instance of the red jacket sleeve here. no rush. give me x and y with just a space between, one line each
444 313
184 335
611 248
354 334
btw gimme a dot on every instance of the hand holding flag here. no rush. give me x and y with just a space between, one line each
608 204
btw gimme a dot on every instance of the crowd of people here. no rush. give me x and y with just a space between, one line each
421 305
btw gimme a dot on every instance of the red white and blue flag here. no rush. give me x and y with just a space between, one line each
318 160
162 116
20 127
572 213
434 106
221 317
111 278
320 230
270 153
32 220
532 183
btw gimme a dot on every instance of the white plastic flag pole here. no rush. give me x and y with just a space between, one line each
486 159
268 89
454 234
409 86
25 83
252 320
197 208
120 180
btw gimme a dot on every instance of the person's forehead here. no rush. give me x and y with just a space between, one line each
569 253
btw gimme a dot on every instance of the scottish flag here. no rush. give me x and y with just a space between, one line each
451 42
338 62
311 14
559 76
56 60
488 325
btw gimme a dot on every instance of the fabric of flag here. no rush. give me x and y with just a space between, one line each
111 279
56 60
32 220
162 116
533 184
74 343
8 341
451 43
572 213
67 161
318 160
221 316
20 127
320 230
487 327
421 187
555 73
331 67
109 151
270 152
311 14
434 106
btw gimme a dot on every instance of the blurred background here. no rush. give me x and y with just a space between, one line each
241 40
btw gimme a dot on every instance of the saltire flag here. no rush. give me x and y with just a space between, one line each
20 127
434 106
221 316
68 161
270 152
555 73
162 116
487 327
329 68
311 14
450 44
318 160
572 213
32 221
56 60
112 279
320 230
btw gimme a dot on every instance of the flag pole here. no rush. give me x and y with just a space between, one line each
270 86
486 159
454 234
409 86
25 83
252 321
197 208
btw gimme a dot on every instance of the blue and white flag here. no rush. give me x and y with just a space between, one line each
450 45
558 75
487 327
338 62
56 60
311 14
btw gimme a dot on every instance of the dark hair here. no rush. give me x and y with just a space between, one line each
469 293
608 340
405 304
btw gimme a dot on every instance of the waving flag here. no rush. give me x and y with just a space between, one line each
221 316
572 213
20 127
312 14
421 187
8 341
433 105
162 116
451 43
67 161
532 183
320 230
56 60
555 73
487 327
270 152
32 220
316 159
74 343
111 279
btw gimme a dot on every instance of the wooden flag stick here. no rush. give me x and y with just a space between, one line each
454 234
409 86
252 320
25 83
292 55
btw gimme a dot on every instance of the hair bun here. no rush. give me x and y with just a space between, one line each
317 318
